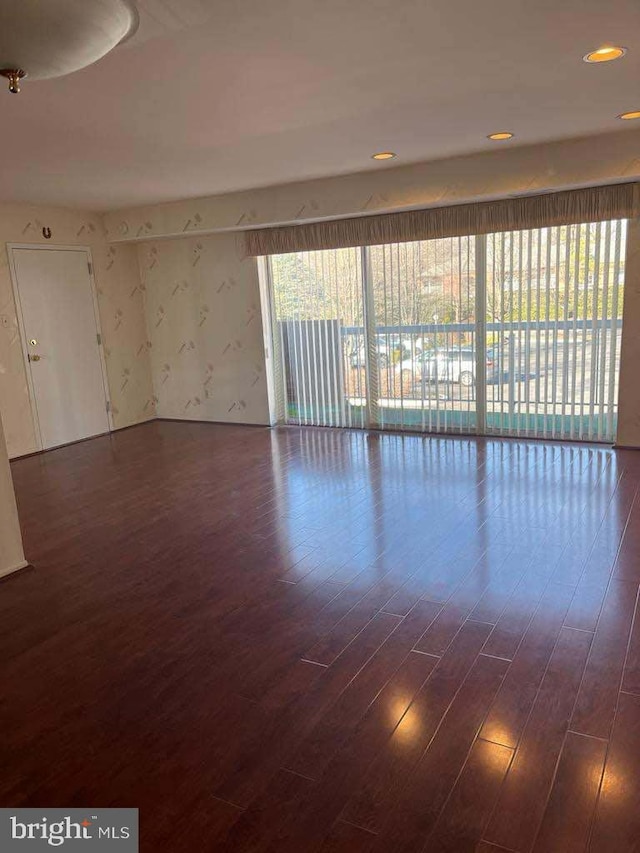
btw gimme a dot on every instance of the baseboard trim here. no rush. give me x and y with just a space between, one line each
79 440
214 423
12 569
133 426
58 446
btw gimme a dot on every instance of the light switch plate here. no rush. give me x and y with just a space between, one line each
4 321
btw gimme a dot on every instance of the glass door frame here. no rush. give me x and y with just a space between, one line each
372 371
479 422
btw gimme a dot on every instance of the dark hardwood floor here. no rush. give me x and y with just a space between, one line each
319 640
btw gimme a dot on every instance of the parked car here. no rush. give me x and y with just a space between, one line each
454 365
390 347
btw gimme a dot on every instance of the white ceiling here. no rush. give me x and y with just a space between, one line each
219 95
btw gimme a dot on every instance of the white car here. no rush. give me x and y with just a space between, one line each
454 365
387 345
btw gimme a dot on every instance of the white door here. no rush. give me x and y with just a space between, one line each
59 324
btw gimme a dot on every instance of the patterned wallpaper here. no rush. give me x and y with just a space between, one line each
496 173
121 314
125 337
203 315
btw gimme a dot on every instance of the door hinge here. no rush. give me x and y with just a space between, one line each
99 339
90 266
108 404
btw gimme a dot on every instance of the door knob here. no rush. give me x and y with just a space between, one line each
34 357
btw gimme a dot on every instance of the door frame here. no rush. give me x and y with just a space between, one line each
23 337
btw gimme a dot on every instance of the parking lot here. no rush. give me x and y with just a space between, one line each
542 373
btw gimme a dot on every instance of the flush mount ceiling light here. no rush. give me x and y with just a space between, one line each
40 40
384 155
630 115
605 54
501 136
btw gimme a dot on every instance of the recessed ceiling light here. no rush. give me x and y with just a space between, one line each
605 54
500 136
383 155
630 115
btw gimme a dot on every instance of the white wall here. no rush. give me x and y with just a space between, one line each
11 553
121 314
202 306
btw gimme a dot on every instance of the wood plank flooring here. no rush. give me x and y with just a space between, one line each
302 640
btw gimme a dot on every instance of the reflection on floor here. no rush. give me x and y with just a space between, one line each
323 640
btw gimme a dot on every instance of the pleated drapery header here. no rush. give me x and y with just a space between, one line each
594 204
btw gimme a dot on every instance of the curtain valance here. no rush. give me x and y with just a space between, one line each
594 204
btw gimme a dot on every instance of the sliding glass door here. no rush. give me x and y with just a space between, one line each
514 333
554 327
424 305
